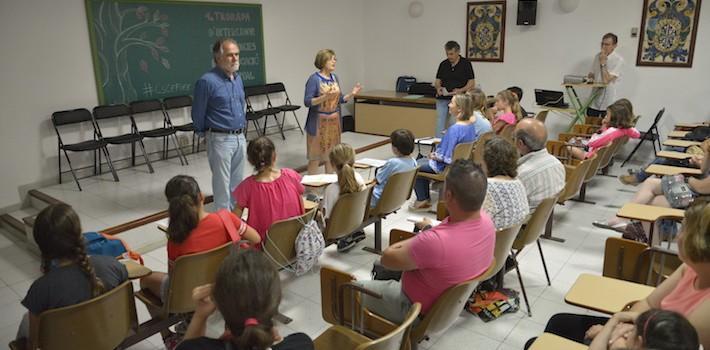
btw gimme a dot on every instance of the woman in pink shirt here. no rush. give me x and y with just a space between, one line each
686 291
271 194
621 124
508 109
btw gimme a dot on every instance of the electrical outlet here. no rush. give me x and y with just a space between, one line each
634 32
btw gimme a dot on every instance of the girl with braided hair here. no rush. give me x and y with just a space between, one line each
70 276
247 292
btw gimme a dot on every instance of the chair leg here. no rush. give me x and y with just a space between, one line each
72 170
59 161
281 126
183 159
634 150
133 153
110 163
544 265
378 239
297 122
522 286
548 230
145 155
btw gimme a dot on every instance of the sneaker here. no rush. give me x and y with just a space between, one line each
172 341
620 227
358 236
630 180
345 244
418 206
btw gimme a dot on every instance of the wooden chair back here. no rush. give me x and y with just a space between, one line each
535 226
587 129
477 154
348 213
395 193
102 322
190 271
574 177
507 132
447 308
602 154
280 241
593 120
542 115
504 242
398 339
558 149
632 261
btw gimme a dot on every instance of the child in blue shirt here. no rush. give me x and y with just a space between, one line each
402 147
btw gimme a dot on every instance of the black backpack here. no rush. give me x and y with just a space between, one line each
699 134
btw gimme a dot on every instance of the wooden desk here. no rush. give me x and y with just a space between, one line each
673 155
380 112
677 134
135 270
658 169
549 341
687 126
680 143
648 213
604 294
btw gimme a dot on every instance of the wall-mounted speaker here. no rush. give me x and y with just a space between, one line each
527 12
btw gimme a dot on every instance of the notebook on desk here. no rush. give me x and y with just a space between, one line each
550 98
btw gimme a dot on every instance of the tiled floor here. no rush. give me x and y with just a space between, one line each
582 252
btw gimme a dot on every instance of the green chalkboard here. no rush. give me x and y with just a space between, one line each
156 49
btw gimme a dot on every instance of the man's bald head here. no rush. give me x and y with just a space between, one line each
532 133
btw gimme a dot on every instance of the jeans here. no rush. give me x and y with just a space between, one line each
641 174
595 113
442 116
394 304
226 154
421 185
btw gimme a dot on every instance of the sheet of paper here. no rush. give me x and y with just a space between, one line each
427 140
163 224
319 179
413 97
376 163
415 219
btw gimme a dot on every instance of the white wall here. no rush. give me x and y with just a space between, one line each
537 56
46 66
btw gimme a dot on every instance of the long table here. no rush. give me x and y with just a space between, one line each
380 112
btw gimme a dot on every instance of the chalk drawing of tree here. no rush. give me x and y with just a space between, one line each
122 29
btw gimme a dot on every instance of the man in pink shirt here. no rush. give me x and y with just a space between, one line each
458 249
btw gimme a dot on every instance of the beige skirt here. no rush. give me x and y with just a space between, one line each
327 135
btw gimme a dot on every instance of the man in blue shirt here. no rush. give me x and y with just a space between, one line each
218 111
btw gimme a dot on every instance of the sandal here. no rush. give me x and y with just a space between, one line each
422 206
620 227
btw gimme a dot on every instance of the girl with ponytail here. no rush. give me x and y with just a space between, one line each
192 230
508 106
247 293
69 276
342 159
271 194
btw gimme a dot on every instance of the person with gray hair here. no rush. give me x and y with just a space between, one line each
542 174
219 112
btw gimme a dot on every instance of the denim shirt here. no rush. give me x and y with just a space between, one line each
218 102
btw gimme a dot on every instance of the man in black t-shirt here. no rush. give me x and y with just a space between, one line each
455 75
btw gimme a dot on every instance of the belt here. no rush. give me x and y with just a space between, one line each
225 131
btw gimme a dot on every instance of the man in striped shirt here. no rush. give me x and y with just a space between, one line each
542 174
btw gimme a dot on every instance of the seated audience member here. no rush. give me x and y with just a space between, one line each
652 192
686 291
518 93
69 276
271 194
478 118
541 173
458 249
652 329
192 230
247 293
507 111
620 124
342 158
506 201
402 146
462 131
635 177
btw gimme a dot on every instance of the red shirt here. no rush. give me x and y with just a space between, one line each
209 233
270 201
